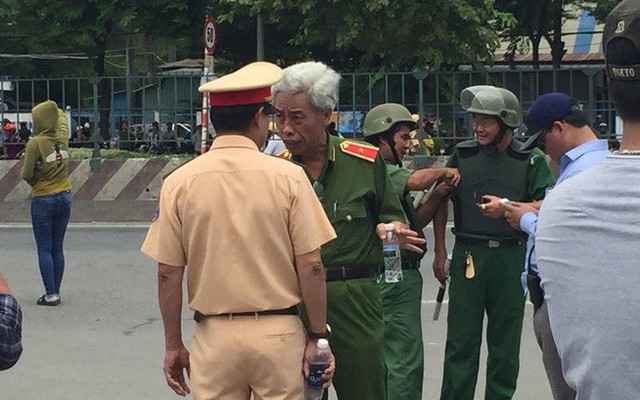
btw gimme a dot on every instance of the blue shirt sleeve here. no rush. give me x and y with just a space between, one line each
528 223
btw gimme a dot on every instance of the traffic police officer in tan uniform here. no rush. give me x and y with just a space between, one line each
389 126
252 255
353 185
488 254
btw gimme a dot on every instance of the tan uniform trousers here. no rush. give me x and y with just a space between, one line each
231 357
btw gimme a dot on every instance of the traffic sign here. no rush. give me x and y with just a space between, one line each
209 34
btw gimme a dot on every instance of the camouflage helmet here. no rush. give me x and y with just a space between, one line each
382 117
491 100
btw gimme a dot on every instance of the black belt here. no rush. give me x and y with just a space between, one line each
293 310
353 272
491 243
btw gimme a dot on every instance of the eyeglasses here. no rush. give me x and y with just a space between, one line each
540 139
483 123
543 134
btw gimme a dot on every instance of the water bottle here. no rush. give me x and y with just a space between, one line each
392 259
313 384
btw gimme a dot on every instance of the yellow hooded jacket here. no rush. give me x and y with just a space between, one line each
46 159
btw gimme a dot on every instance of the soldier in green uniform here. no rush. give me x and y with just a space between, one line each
389 126
356 192
488 254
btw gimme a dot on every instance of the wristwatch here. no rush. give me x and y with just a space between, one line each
320 335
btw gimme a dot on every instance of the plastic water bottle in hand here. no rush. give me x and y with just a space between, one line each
392 259
313 384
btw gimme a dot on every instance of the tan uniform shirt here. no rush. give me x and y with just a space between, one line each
237 218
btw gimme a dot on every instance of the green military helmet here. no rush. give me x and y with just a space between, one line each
382 117
491 100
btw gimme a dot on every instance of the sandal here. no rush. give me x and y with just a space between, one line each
42 301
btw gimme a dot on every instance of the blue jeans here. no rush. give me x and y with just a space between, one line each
50 216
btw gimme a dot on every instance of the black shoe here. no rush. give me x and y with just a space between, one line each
42 301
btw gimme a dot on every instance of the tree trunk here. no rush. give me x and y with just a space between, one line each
539 15
104 89
535 46
557 45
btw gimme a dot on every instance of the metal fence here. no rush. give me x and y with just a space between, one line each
140 100
441 90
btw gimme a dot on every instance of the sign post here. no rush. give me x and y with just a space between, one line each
209 37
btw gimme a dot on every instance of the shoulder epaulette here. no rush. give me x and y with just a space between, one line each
468 144
360 150
286 154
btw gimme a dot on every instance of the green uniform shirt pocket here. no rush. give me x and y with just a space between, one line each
351 224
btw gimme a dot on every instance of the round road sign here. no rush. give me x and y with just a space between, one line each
209 34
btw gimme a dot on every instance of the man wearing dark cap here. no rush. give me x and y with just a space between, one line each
591 291
562 130
253 256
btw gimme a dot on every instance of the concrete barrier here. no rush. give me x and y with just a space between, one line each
121 190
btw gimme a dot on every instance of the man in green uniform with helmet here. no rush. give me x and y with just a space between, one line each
488 254
352 183
388 126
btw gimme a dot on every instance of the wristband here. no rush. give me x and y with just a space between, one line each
320 335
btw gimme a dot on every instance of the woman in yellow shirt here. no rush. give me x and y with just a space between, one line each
45 168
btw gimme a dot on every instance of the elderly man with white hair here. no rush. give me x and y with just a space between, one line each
352 183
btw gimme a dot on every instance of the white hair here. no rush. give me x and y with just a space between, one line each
313 77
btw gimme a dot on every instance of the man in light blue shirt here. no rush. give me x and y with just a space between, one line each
563 131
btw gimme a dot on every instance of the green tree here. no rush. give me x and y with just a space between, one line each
601 8
379 34
90 27
532 25
536 20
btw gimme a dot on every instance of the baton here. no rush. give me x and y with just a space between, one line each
442 289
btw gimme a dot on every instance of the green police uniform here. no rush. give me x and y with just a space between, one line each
404 353
357 194
497 252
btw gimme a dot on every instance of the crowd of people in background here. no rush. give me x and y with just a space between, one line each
174 138
12 139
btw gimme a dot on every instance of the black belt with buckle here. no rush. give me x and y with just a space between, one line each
491 243
293 310
335 273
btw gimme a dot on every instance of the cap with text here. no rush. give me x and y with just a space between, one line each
546 110
250 84
623 22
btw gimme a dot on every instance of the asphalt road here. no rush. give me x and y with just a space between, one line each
105 341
